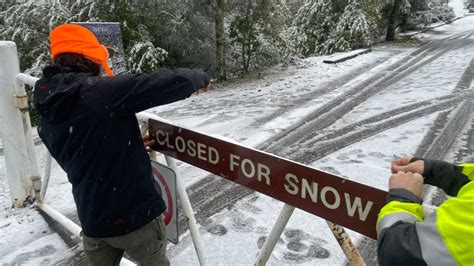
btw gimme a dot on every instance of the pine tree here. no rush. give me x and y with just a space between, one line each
353 30
28 24
243 32
144 57
311 27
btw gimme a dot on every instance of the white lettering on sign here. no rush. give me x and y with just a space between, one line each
161 137
357 204
193 149
180 144
312 191
337 198
213 155
249 168
293 187
201 151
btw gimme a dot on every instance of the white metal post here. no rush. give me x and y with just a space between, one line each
40 185
47 175
11 131
188 211
22 105
275 234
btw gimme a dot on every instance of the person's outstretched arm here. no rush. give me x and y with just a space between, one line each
135 93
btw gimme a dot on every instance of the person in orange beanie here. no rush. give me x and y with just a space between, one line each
88 124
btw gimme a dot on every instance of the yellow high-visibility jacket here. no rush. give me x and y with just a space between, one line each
445 237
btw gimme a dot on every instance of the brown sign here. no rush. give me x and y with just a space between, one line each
336 199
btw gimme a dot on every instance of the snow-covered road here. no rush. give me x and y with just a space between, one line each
350 119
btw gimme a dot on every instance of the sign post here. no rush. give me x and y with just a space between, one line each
334 198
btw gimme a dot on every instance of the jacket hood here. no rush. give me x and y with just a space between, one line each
56 97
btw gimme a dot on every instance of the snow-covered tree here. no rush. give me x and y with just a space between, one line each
28 24
353 30
144 57
243 32
185 30
254 34
434 12
274 18
311 27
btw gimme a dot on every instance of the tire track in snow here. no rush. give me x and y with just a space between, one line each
466 153
327 87
461 93
213 194
345 79
447 127
331 112
360 131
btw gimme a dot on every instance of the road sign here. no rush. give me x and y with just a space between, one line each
165 183
334 198
109 34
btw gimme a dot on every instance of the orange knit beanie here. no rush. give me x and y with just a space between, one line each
71 38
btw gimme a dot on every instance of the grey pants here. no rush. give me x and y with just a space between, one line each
146 245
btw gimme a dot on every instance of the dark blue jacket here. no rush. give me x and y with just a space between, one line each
89 126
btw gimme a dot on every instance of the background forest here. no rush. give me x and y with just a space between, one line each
227 38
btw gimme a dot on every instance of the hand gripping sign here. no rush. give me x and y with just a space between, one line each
336 199
165 182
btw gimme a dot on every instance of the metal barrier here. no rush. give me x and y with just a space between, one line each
339 200
24 177
143 118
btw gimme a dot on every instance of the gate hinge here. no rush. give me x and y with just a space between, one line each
21 102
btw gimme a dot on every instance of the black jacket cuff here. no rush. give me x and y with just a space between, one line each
428 169
402 195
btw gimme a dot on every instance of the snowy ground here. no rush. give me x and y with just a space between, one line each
458 7
244 111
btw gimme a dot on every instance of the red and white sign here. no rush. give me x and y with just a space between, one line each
334 198
165 183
